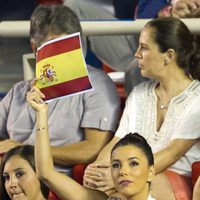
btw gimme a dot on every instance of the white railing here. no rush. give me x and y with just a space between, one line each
21 28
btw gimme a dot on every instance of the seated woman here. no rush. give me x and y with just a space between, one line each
165 110
18 179
131 159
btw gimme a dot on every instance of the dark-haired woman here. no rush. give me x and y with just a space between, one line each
131 160
18 178
164 110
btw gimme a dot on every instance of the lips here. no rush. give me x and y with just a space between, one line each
125 182
140 65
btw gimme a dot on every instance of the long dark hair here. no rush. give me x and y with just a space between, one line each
171 32
27 153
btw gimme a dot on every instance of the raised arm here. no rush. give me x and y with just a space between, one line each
64 186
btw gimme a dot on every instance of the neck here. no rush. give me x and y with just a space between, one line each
168 89
171 86
175 78
142 195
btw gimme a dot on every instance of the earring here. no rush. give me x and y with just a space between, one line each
165 62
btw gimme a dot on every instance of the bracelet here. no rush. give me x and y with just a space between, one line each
40 129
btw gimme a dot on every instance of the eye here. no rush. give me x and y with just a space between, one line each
143 48
6 177
116 165
134 163
19 174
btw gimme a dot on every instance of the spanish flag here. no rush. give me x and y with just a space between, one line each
61 69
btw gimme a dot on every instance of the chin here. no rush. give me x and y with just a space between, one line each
144 75
127 192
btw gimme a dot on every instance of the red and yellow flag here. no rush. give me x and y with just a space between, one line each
61 69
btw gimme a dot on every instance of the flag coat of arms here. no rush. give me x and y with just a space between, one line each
61 69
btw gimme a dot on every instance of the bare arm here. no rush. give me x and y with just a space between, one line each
6 145
173 152
63 185
85 151
104 155
98 174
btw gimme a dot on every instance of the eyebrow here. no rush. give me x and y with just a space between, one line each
15 170
130 158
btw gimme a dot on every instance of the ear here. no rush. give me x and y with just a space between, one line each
169 56
151 173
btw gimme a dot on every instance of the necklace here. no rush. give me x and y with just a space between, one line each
162 106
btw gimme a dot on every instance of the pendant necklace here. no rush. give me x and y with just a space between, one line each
162 106
165 107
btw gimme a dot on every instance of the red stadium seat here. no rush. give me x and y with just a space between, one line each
181 185
78 172
119 86
195 171
53 196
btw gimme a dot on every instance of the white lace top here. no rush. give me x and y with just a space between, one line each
182 120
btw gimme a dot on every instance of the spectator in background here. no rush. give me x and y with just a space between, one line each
166 8
162 8
164 110
80 125
118 51
18 178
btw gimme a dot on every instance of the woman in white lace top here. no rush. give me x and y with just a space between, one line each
165 110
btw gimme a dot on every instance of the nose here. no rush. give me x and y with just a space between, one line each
13 182
124 170
138 54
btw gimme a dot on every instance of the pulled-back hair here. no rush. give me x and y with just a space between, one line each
172 33
139 141
55 19
27 153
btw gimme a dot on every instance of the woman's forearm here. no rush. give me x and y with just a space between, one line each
43 158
